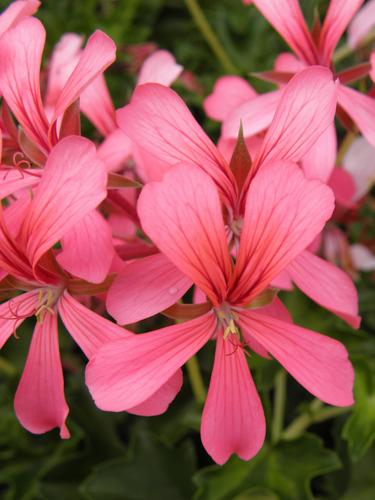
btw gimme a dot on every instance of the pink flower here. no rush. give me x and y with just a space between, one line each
310 49
158 121
183 216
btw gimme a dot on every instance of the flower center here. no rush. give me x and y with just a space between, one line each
47 298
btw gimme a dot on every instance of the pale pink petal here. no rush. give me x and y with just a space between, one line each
39 402
16 11
159 67
343 187
287 18
115 150
255 115
372 61
361 109
277 310
320 364
87 248
158 121
284 213
125 373
363 259
149 167
21 49
96 103
14 312
320 160
228 93
288 63
339 15
64 59
158 403
282 281
73 183
182 216
13 180
144 288
327 285
233 419
99 53
359 161
362 24
91 331
306 109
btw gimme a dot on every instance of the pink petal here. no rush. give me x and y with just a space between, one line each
158 121
149 167
115 150
16 11
125 373
327 285
182 216
233 419
339 15
14 180
287 18
21 51
288 63
282 281
361 108
96 103
39 402
319 363
284 213
320 160
343 187
99 53
73 184
362 24
158 403
64 59
228 93
14 312
255 115
144 288
89 330
159 67
359 161
363 259
306 109
87 248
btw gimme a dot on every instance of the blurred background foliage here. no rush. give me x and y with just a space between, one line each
323 452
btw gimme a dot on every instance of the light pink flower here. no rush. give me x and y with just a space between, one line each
362 24
183 216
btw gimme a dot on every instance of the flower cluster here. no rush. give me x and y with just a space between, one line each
153 217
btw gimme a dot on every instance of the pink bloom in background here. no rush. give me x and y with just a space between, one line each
182 215
361 25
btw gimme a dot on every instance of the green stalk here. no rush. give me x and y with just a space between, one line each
318 413
346 50
200 20
196 380
278 406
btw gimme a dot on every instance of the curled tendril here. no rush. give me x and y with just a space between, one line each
21 164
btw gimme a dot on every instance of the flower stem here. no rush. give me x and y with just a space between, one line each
210 36
196 380
317 413
346 50
278 406
345 145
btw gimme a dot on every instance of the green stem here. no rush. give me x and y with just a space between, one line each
278 406
317 413
196 380
210 36
346 50
345 145
7 368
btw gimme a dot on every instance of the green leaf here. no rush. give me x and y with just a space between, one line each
150 470
286 471
362 485
359 429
